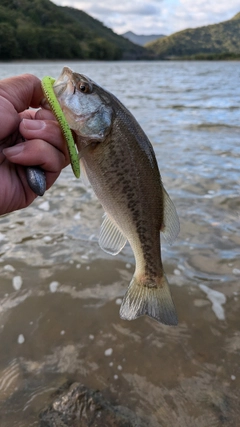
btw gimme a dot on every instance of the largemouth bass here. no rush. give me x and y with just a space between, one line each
121 166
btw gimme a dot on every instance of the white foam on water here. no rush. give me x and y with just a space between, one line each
181 267
236 271
217 299
108 352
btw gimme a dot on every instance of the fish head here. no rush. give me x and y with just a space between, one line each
84 105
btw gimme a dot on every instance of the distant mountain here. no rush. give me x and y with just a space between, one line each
218 41
141 39
39 29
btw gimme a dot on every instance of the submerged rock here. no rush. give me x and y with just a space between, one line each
78 406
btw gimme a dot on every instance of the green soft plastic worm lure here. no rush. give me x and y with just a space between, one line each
47 86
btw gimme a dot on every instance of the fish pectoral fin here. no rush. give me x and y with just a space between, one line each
83 175
151 299
171 225
111 238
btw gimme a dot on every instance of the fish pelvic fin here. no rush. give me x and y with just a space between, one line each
111 238
151 299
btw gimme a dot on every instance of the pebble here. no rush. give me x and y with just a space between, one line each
108 352
118 301
53 286
17 282
236 271
91 337
47 239
77 216
177 272
21 339
44 206
8 267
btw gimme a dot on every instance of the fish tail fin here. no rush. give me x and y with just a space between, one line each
151 299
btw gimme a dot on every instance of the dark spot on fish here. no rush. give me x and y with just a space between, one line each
131 204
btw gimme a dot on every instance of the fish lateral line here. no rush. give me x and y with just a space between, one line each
47 86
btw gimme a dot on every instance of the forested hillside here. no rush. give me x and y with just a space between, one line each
39 29
217 41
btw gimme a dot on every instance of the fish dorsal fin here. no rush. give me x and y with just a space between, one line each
111 239
83 175
171 225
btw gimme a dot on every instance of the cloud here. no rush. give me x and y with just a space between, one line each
205 12
131 8
156 16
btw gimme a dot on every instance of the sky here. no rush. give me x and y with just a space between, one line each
156 16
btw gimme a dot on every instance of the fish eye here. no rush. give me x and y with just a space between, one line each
84 87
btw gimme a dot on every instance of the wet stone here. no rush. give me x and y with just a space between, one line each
77 406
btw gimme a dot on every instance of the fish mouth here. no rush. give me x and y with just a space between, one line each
59 88
65 83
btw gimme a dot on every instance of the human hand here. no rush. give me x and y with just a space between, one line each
27 138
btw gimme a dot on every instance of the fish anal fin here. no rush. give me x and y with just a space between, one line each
171 225
111 238
151 299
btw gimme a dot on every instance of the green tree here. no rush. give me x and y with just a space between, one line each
28 39
100 48
8 42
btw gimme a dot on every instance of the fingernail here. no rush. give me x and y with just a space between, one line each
13 151
33 124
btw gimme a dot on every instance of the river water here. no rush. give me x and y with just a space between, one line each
60 293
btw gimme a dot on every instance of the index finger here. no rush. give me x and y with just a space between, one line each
22 91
